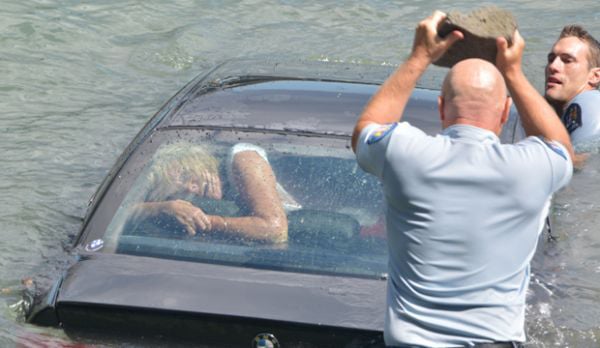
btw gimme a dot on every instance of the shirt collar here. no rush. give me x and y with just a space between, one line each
470 133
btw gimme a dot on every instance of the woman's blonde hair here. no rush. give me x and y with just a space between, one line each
185 159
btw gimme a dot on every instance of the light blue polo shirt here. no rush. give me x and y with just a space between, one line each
463 217
582 117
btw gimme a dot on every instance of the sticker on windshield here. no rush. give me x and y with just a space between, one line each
552 145
381 133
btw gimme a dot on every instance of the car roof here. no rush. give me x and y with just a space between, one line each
299 106
270 97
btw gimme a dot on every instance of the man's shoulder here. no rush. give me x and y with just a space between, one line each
534 151
378 142
592 93
376 133
582 116
588 99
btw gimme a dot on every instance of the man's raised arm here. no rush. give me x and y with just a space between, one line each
387 105
537 116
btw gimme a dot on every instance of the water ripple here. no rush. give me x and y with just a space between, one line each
81 78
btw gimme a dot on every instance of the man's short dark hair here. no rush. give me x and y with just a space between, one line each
583 35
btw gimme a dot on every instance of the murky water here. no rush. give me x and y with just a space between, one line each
80 78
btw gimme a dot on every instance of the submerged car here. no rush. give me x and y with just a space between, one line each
325 286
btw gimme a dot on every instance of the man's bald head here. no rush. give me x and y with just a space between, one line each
474 93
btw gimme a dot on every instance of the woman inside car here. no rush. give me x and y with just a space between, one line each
183 173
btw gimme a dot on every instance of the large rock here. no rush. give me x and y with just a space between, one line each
481 28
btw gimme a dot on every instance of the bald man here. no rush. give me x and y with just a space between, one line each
464 211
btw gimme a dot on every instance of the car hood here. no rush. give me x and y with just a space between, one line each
168 285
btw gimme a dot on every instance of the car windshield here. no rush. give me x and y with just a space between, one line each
334 210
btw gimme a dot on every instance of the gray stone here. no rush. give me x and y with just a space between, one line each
481 27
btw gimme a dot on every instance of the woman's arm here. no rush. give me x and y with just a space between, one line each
255 181
188 215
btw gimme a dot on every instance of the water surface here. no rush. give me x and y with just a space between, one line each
80 78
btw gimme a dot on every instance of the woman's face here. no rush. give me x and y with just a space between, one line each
205 184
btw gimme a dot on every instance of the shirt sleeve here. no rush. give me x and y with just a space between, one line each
374 140
237 148
560 161
372 146
240 147
582 117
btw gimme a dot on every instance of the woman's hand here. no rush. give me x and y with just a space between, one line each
188 215
211 185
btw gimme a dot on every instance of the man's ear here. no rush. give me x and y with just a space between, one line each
505 114
441 108
594 77
506 111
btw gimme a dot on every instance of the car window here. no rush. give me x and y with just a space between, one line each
334 210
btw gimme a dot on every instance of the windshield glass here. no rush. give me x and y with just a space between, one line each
252 199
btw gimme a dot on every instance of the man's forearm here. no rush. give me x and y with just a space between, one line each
537 116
